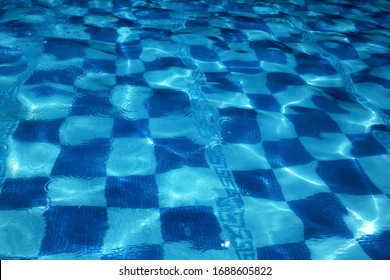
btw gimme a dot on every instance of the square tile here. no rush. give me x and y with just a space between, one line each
131 128
69 228
245 156
239 126
169 103
270 227
377 246
131 227
275 126
364 145
31 159
335 248
374 168
346 176
21 233
68 191
286 153
368 214
131 156
131 102
38 131
197 224
312 122
79 130
188 186
83 161
322 215
98 106
259 183
23 193
288 251
132 192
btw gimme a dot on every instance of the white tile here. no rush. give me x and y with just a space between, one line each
188 186
335 248
184 251
299 182
79 130
21 232
128 227
31 159
245 156
67 191
377 169
270 220
131 156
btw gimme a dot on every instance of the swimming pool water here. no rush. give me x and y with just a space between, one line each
194 129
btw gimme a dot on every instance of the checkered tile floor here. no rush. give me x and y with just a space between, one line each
195 130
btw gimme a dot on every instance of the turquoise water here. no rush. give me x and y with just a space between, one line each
194 129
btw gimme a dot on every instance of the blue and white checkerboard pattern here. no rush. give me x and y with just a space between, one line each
109 161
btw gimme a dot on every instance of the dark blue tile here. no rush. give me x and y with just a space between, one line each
38 131
65 49
265 102
280 81
136 79
286 152
365 25
246 67
109 35
346 176
162 63
131 128
382 17
221 81
364 76
175 153
72 229
342 50
242 22
77 3
377 60
196 224
83 161
328 105
132 192
312 122
203 53
260 183
129 50
92 105
141 252
262 45
167 102
322 215
10 55
100 66
59 76
364 145
376 246
239 126
23 193
233 35
18 28
289 251
12 70
155 34
314 65
339 94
